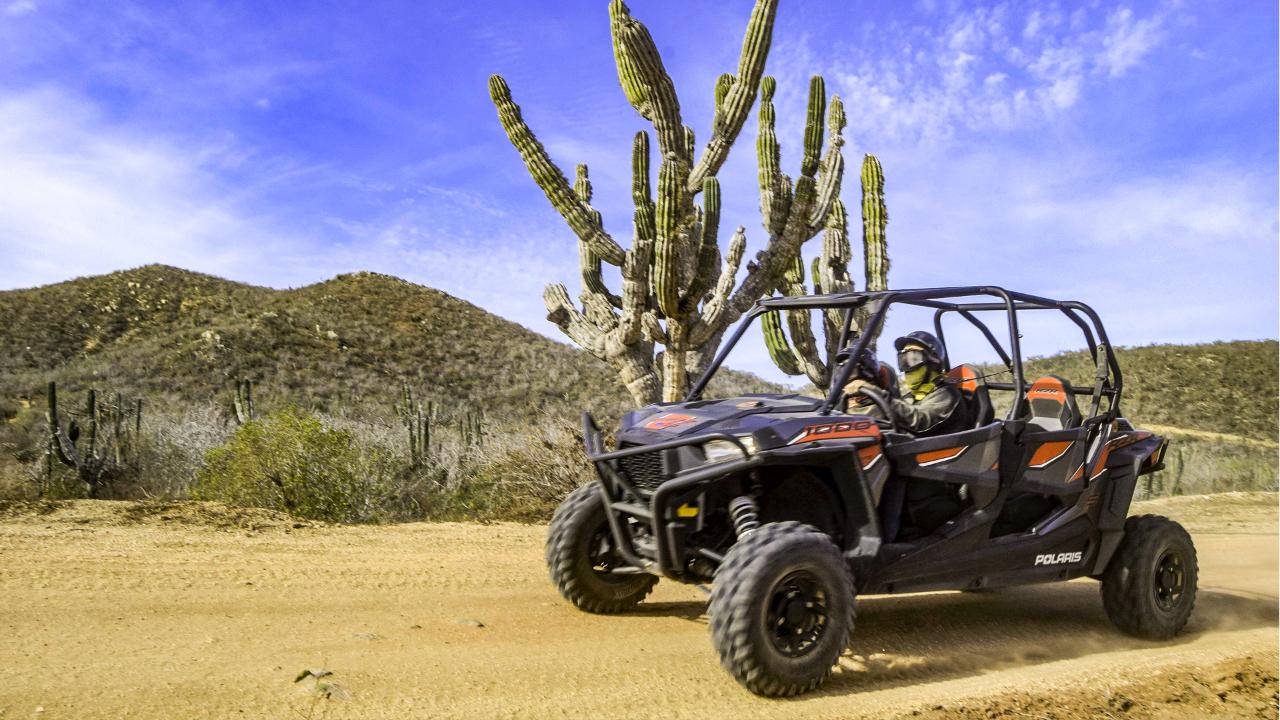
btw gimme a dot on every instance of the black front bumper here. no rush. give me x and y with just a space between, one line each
652 506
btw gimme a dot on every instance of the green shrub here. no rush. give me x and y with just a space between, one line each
291 461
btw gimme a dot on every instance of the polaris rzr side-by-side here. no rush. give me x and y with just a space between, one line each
780 500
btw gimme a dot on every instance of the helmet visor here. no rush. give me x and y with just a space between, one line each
910 359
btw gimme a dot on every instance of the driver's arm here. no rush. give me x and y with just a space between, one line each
857 402
921 417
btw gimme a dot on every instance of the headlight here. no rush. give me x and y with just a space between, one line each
721 450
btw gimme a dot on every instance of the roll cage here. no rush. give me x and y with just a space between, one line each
1108 379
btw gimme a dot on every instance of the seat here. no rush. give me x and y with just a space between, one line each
1047 462
1052 404
973 388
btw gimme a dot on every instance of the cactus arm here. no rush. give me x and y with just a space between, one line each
561 311
599 311
63 448
831 171
633 362
712 320
769 162
802 201
787 212
653 328
91 412
831 271
666 256
708 249
734 100
874 245
724 84
242 402
588 261
802 357
814 112
874 219
804 344
619 340
582 184
775 340
635 269
645 81
549 177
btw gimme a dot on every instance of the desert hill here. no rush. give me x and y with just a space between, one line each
178 336
1223 387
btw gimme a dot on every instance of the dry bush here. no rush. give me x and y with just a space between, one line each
1195 466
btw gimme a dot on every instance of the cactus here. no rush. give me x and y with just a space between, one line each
874 218
242 402
801 355
471 429
680 290
417 422
112 431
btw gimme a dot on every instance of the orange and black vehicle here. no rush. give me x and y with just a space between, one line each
780 501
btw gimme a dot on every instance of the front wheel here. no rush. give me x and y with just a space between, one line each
1149 586
582 560
782 609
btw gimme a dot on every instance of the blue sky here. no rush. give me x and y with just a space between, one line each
1124 154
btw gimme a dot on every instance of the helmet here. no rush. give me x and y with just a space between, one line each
934 352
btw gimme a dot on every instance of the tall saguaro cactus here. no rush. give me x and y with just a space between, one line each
680 290
802 356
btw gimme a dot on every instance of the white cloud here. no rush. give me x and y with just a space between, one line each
985 68
1151 252
1128 40
78 196
20 7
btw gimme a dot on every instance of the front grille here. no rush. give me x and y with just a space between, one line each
645 470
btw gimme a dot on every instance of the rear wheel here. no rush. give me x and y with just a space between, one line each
583 562
1149 586
782 609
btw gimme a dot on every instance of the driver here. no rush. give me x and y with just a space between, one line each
929 405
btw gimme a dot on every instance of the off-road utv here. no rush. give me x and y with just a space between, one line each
776 499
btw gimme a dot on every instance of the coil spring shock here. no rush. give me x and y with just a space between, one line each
744 515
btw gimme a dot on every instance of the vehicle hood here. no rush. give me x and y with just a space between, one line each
784 415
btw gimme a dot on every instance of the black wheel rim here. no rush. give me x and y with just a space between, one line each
1170 580
797 615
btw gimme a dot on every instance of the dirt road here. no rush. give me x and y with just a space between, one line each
183 612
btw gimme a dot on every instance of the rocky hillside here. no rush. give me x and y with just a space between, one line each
176 336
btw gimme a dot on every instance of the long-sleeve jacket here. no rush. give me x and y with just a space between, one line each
940 412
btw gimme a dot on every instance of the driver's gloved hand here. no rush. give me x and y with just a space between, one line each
870 391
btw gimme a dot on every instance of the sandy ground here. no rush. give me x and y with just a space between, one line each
109 610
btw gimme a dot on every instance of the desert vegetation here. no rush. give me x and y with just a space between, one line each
407 415
396 401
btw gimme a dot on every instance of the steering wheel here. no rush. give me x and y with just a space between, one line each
877 399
